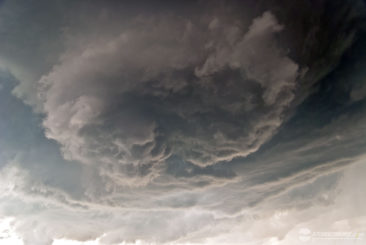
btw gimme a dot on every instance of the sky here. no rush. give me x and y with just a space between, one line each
182 122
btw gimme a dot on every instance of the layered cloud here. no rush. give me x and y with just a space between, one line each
174 123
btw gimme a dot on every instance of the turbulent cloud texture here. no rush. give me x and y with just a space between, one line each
203 122
134 100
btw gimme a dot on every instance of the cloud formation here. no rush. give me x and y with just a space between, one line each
175 123
132 101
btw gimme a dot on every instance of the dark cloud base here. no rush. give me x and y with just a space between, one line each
178 116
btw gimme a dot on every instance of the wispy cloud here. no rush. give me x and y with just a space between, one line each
194 123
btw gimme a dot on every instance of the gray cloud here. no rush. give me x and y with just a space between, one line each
129 112
180 123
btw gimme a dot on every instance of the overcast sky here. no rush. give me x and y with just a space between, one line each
182 122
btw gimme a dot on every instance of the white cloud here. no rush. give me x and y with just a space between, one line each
169 116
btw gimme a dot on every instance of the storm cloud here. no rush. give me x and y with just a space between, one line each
134 100
192 122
